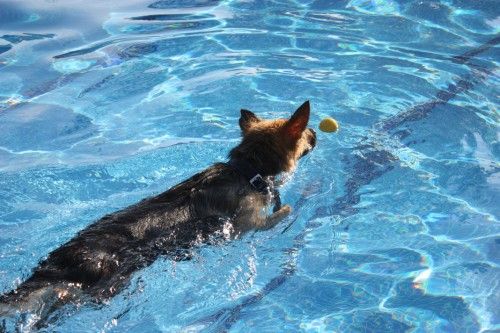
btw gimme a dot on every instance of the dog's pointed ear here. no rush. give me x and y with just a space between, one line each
246 119
298 122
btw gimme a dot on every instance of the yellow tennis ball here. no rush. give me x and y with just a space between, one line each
328 125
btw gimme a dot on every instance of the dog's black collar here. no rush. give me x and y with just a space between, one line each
256 180
251 174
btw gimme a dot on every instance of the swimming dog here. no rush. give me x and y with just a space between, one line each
100 259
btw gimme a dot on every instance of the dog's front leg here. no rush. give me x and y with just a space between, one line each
276 217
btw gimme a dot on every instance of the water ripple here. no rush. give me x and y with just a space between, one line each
395 224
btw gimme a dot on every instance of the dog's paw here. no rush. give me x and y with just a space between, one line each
276 217
285 210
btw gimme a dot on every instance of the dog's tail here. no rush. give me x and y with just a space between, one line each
32 302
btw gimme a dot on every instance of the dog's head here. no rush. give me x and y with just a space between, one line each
275 145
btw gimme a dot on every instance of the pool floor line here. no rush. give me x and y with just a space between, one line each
226 317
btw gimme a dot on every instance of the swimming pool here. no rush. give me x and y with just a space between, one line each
395 223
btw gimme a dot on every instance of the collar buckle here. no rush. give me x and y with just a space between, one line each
259 183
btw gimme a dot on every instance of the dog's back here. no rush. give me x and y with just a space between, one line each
101 258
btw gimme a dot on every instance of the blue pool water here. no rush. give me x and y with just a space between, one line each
396 217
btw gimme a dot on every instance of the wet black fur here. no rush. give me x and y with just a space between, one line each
103 256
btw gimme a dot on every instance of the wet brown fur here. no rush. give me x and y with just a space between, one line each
100 259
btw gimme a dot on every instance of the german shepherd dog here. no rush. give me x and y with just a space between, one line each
98 262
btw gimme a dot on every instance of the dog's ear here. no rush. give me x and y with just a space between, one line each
298 122
246 119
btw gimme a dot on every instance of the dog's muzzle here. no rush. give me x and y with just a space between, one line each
312 142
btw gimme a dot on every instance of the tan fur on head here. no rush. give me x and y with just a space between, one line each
274 146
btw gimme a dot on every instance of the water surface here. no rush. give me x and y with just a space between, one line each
395 224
